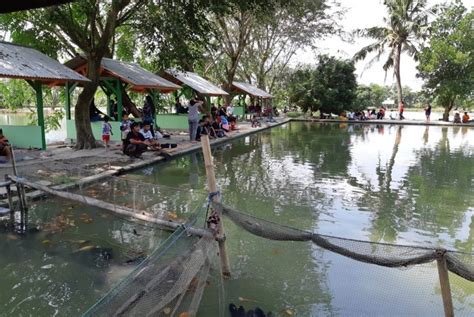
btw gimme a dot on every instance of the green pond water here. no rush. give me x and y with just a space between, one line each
396 184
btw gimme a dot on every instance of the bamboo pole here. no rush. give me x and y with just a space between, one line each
211 182
137 214
444 282
10 203
20 192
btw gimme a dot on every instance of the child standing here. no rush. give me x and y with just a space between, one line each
106 132
125 127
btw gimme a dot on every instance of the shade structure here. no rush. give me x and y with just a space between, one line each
27 63
133 74
37 69
193 80
245 88
19 5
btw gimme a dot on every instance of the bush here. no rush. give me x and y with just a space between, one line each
294 114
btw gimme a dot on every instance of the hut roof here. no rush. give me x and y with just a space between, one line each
194 81
27 63
241 87
131 73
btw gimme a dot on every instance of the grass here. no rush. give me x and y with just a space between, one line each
294 114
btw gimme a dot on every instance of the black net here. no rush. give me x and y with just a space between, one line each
170 282
388 255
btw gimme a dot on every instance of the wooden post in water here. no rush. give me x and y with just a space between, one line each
10 203
211 183
21 195
444 282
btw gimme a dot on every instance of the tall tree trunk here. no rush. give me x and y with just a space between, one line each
85 137
230 75
447 108
397 73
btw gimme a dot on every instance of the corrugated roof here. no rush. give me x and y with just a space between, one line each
251 90
26 63
195 81
131 73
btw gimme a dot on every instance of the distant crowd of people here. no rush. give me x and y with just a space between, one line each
216 123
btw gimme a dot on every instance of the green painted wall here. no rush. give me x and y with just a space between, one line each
239 111
172 121
96 129
24 136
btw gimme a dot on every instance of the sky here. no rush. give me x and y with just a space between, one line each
362 14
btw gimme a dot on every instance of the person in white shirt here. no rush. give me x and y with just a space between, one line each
230 110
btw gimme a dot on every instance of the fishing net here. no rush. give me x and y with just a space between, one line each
388 255
170 282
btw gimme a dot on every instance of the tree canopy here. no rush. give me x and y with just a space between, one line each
446 61
330 87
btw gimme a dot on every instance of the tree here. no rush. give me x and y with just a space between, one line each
330 87
88 27
406 24
277 36
176 33
446 61
371 96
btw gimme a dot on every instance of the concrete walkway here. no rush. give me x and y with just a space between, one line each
54 164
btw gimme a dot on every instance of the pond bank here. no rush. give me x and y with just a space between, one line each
54 166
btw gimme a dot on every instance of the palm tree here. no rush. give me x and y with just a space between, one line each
406 24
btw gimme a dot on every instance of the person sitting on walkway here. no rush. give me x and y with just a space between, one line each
125 126
5 148
148 135
209 127
457 118
255 122
381 113
465 117
135 144
154 143
217 127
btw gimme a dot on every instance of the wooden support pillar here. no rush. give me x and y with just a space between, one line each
444 283
118 90
68 101
211 183
208 103
38 87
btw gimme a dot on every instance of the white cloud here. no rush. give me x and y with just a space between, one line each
362 14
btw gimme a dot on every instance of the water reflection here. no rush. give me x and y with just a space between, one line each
384 183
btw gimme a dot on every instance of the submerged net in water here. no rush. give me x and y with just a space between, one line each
388 255
168 283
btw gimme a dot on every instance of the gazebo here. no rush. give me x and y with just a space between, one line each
241 89
20 62
115 78
192 84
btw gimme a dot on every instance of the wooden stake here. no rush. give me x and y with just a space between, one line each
137 214
211 183
444 282
10 203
